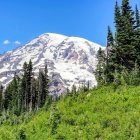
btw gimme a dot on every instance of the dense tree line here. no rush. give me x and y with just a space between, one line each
27 93
120 62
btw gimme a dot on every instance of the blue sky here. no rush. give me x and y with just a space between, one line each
23 20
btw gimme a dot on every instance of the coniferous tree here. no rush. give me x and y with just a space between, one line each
11 96
22 95
110 56
136 37
127 48
46 84
25 88
115 53
43 88
100 70
28 85
24 91
40 88
1 98
8 97
110 40
137 17
34 93
15 95
119 26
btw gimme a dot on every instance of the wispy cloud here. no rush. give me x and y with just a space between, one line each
17 42
6 42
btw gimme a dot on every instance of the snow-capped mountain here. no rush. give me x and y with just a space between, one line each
70 60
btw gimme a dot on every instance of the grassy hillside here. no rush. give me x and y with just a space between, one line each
102 113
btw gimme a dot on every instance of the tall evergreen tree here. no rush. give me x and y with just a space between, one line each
23 88
110 40
41 89
116 52
136 37
100 70
28 85
119 26
137 17
46 87
128 28
110 56
15 94
11 96
1 98
8 97
34 93
43 86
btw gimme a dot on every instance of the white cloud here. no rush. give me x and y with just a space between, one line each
17 42
6 42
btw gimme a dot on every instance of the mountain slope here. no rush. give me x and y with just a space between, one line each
71 60
98 114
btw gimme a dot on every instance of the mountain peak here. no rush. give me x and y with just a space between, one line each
53 36
70 60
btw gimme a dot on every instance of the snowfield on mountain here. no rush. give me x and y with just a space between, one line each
71 61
